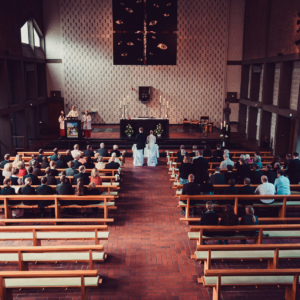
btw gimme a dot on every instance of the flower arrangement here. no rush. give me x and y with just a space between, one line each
203 126
158 130
129 131
223 137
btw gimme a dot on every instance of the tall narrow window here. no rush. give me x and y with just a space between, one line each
37 39
24 34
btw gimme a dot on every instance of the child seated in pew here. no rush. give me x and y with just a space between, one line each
249 219
229 219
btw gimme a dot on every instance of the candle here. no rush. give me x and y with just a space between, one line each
224 123
226 127
221 126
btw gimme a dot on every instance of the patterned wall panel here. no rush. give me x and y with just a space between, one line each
193 87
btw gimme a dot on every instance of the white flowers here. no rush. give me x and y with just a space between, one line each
221 135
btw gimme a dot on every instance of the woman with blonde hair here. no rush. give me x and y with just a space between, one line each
7 170
22 170
100 165
18 158
95 177
115 150
76 151
53 171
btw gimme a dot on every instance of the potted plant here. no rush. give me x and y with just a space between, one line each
129 131
158 130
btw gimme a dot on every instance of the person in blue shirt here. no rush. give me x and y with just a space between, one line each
282 184
257 161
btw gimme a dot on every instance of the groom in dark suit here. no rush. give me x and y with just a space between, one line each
141 139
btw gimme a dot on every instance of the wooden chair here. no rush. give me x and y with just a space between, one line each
48 279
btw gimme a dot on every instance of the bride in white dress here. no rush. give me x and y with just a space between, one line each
152 150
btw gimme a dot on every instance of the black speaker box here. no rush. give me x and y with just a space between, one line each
144 93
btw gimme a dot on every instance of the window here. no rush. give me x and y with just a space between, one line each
24 34
37 40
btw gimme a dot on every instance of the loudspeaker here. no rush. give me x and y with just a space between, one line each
55 94
231 96
144 93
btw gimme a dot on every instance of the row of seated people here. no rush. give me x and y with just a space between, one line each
281 186
200 166
228 218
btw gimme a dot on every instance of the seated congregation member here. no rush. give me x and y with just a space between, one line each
54 157
100 165
115 150
92 190
40 156
102 151
115 156
1 177
51 180
34 179
22 170
44 189
7 170
60 163
237 164
271 175
231 189
217 177
190 188
249 219
88 151
288 159
82 159
257 161
5 161
207 151
246 190
276 159
218 153
45 163
194 151
206 188
293 170
34 158
228 219
256 175
256 153
282 184
77 163
53 170
80 190
28 190
229 174
197 155
96 157
36 170
112 165
18 158
214 158
68 157
71 171
277 166
200 167
76 151
15 179
84 177
64 188
7 189
89 164
243 171
95 177
185 169
248 159
265 188
63 173
178 154
227 161
181 156
209 218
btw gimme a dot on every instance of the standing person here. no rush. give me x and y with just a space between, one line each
200 167
87 125
61 121
140 139
73 113
227 112
185 169
293 170
151 138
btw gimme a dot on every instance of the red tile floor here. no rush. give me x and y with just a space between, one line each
148 250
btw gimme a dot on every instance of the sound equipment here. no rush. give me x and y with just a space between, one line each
144 93
55 94
231 97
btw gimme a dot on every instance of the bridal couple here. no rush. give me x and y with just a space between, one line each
141 150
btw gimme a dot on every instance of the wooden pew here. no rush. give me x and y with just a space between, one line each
105 179
277 231
37 234
83 279
105 202
245 252
23 255
283 202
255 277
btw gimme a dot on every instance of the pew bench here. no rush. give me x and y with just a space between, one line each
254 277
83 279
37 234
277 231
52 254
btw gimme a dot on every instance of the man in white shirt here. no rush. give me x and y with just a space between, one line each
227 161
151 138
73 113
265 188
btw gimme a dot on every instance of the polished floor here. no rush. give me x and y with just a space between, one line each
148 250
